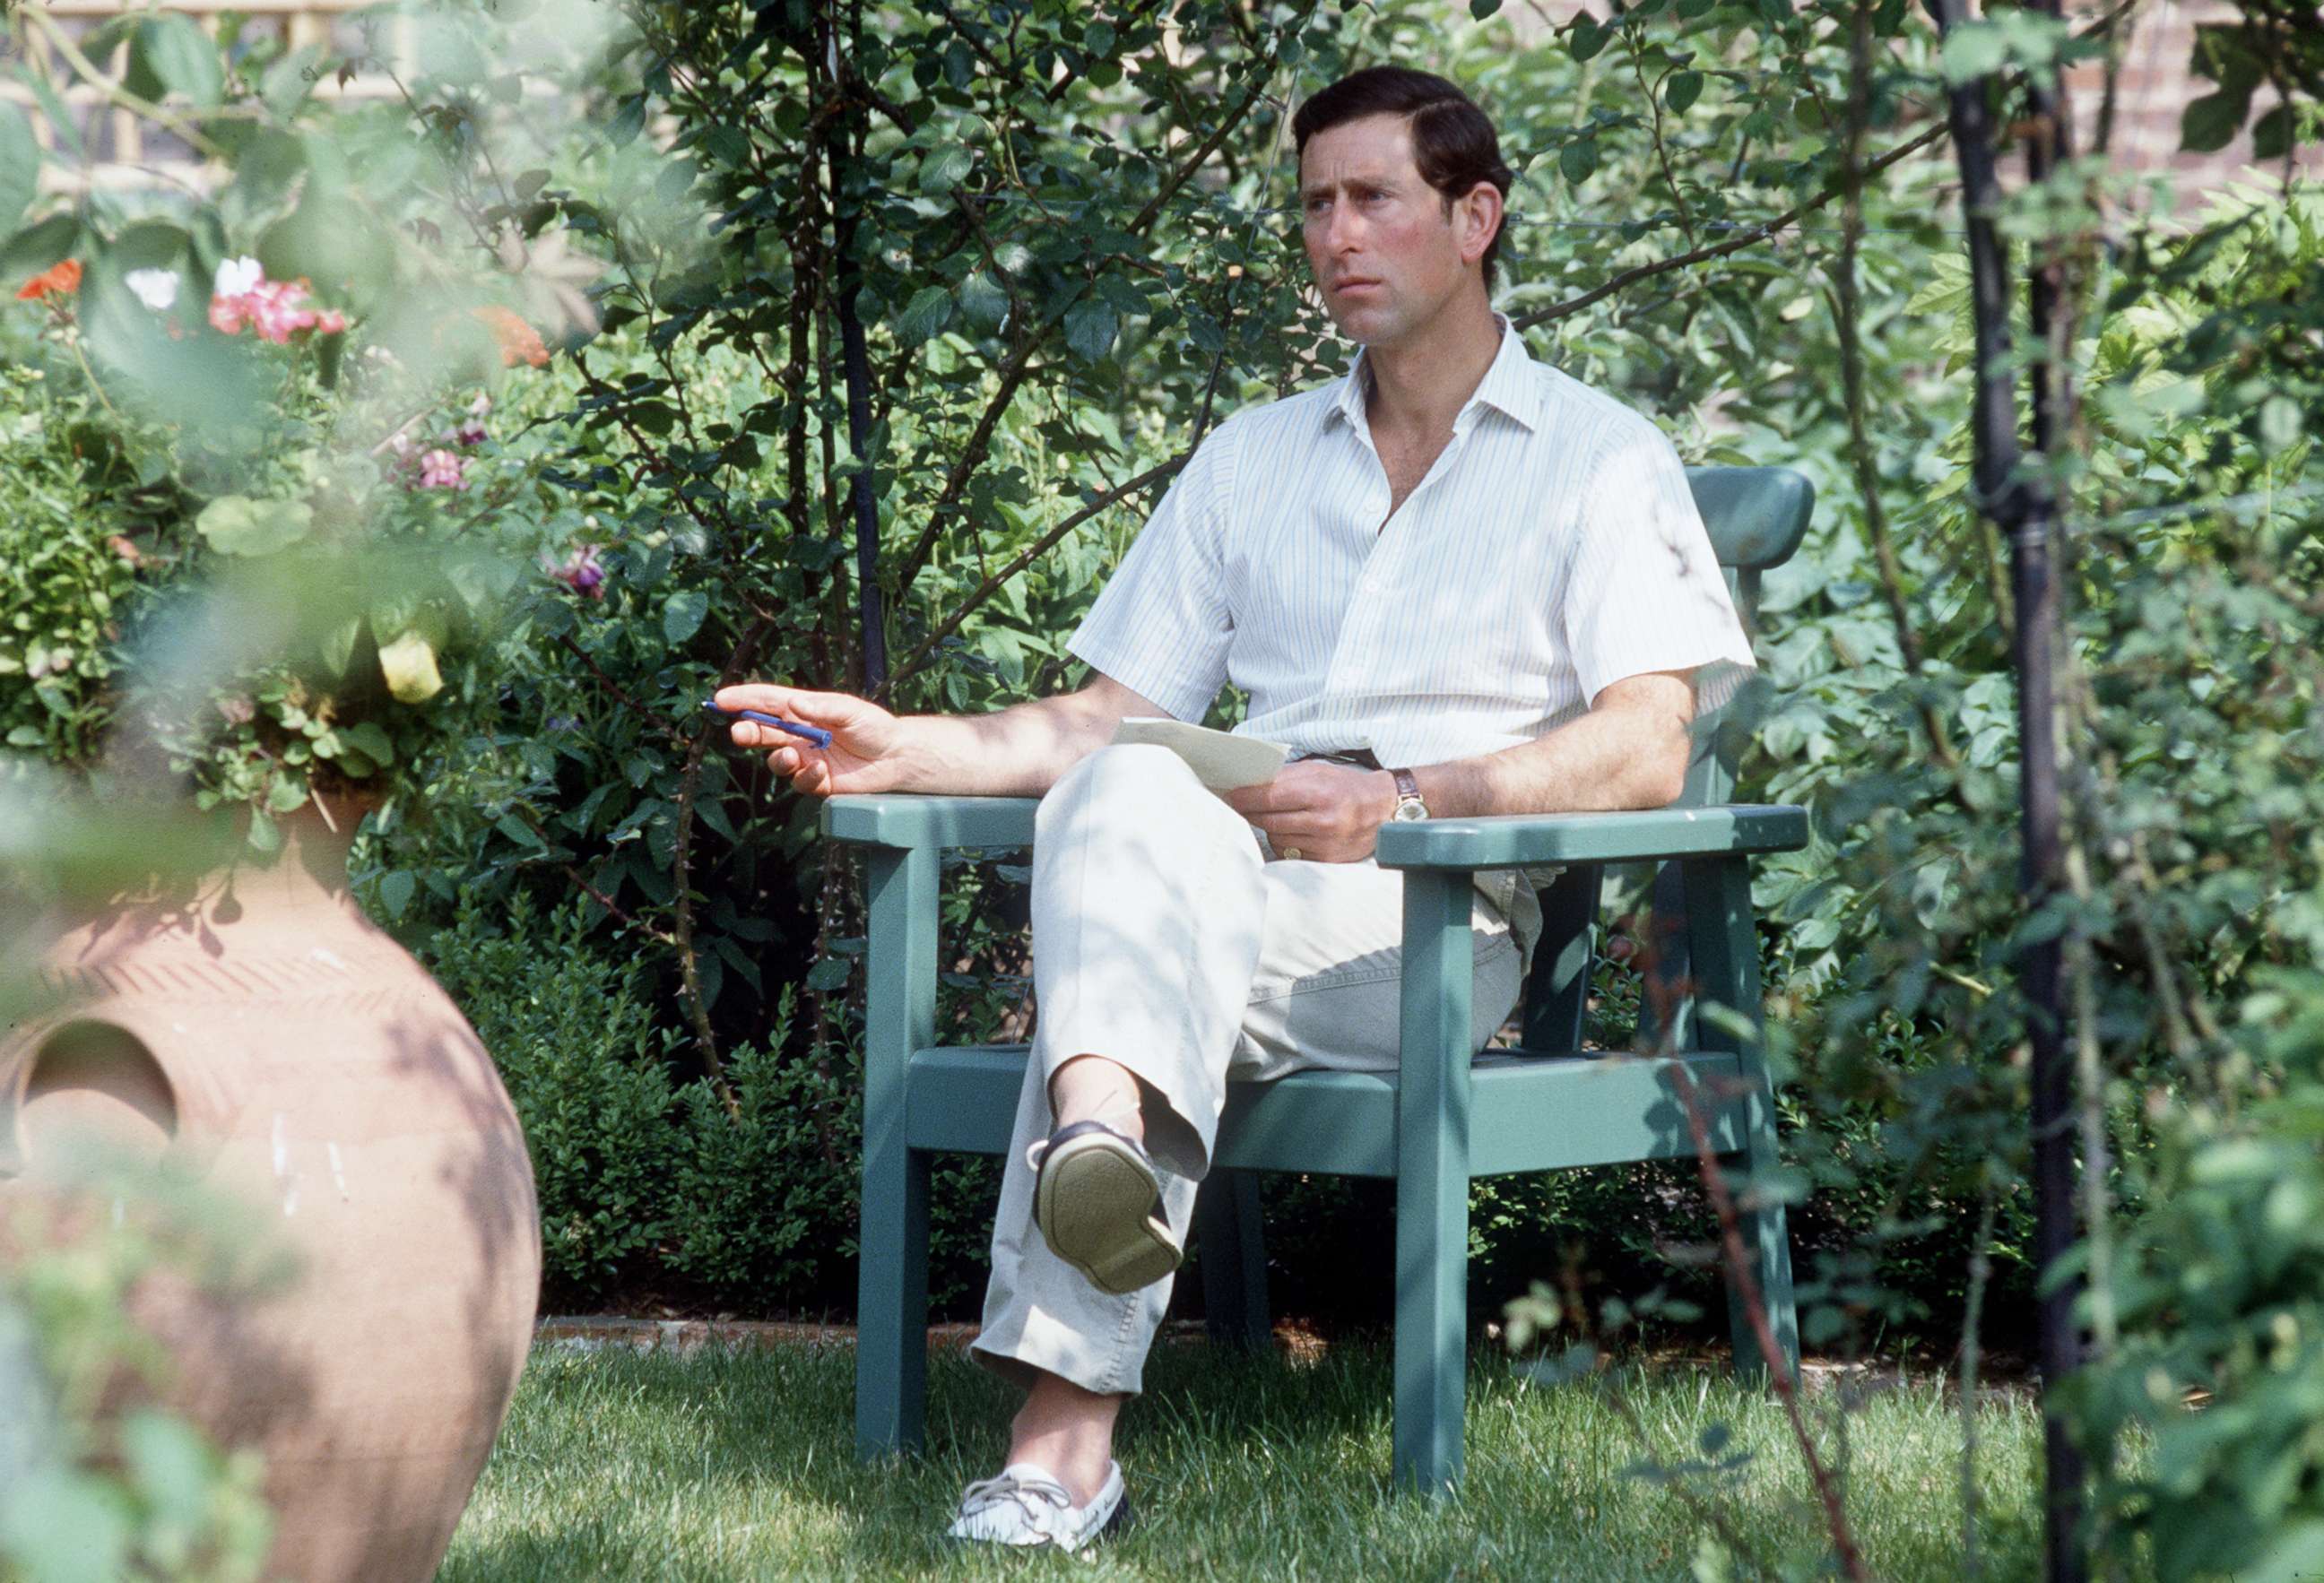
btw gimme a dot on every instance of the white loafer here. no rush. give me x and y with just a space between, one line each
1025 1506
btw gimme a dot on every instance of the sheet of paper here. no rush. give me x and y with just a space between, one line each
1220 760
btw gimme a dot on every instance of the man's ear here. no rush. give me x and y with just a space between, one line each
1477 218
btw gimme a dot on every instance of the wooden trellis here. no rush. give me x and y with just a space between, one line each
124 149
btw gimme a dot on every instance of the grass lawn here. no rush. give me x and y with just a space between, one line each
739 1465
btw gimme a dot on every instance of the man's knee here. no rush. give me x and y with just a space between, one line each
1127 769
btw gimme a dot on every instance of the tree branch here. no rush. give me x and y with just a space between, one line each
1735 243
1013 374
1040 547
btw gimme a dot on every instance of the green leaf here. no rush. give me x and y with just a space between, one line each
984 299
20 163
946 168
519 831
237 525
338 644
1578 159
683 615
1481 9
827 975
174 1466
1974 50
170 54
2210 123
63 1526
627 121
370 739
36 247
151 245
928 311
2271 134
287 82
1091 324
264 174
1589 36
729 145
1681 90
395 889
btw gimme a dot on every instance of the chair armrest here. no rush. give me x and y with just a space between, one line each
1522 840
899 821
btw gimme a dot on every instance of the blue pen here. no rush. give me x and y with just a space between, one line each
813 733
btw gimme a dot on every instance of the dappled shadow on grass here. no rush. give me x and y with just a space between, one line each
740 1466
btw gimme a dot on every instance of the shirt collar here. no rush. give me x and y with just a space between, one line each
1508 386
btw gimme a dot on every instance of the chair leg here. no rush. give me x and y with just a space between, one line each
1432 1182
1670 966
1769 1246
891 1311
1724 950
891 1336
1234 1260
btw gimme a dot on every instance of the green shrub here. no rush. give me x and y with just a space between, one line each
650 1187
588 1071
64 578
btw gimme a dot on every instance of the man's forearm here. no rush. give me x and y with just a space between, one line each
1607 759
1017 751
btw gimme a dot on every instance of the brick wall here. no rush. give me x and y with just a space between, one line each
2153 90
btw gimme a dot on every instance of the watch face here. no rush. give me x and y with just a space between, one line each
1411 808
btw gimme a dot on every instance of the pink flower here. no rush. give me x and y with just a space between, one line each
471 432
277 309
581 573
442 469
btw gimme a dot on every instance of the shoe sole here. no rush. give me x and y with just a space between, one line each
1093 1203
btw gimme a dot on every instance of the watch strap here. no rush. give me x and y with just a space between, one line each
1407 793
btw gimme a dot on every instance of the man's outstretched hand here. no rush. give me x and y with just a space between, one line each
866 741
1323 813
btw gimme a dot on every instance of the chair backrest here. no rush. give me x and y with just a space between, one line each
1756 517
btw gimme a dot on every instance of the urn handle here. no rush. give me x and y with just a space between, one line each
86 1078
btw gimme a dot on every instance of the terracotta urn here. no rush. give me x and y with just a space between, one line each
255 1029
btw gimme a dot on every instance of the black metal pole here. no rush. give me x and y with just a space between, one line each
2021 503
845 207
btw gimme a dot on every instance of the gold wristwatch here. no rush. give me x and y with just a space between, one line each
1408 804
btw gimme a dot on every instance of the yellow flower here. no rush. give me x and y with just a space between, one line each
409 664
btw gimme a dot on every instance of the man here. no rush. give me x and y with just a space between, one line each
1457 583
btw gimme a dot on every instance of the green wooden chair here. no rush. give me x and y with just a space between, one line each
1442 1119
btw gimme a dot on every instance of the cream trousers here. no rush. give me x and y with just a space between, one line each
1163 939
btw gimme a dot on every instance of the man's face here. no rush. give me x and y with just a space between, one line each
1386 254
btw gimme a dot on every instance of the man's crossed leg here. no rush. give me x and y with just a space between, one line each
1170 957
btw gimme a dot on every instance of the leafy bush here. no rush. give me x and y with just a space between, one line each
584 1064
262 392
649 1183
69 574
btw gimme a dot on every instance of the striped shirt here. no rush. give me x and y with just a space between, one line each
1553 549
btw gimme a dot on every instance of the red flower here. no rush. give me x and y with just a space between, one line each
58 279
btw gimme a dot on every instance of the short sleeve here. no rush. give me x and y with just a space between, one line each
1161 626
1646 593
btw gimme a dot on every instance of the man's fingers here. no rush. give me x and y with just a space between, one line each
1253 802
836 710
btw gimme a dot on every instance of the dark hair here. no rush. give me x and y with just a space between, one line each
1452 141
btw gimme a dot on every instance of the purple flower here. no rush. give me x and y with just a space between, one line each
441 469
581 573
